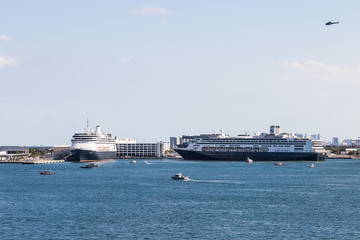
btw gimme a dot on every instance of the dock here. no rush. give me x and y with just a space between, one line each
38 161
43 161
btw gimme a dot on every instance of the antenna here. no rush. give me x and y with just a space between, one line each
87 122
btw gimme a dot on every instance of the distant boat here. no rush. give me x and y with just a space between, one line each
249 160
90 165
93 165
133 161
85 167
146 162
179 176
47 172
279 164
312 165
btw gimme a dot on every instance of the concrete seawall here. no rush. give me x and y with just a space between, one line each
40 161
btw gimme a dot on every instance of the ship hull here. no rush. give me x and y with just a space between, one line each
255 156
89 156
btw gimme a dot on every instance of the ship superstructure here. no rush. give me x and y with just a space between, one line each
92 145
274 146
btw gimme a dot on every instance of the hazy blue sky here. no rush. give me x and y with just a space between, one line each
154 69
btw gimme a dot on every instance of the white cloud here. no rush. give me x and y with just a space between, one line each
7 62
310 95
315 70
5 38
124 59
153 11
356 83
310 65
291 64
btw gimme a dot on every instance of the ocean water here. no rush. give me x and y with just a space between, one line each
224 200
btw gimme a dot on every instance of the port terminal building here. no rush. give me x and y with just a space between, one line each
142 150
13 153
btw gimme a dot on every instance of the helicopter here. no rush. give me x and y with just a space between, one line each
331 23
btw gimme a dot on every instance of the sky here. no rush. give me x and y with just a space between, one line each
150 70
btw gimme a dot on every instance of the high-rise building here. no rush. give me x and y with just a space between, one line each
174 141
357 142
335 141
315 136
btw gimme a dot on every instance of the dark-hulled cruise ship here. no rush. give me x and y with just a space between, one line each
274 146
92 146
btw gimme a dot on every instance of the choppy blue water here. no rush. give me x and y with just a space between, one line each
225 200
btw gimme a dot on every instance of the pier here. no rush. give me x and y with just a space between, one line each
33 161
42 161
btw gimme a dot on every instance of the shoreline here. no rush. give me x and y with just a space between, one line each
43 161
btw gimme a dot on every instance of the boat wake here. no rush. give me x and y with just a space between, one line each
217 181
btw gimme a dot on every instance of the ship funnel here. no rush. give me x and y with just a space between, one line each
275 130
98 130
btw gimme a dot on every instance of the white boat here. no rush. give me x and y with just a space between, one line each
312 165
133 162
179 176
90 165
146 162
249 160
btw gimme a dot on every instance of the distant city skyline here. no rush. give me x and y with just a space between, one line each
153 70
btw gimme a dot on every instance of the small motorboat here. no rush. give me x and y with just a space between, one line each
179 176
279 164
90 165
146 162
85 167
312 165
249 160
133 162
47 172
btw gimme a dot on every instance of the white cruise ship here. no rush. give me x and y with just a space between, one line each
274 146
92 145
